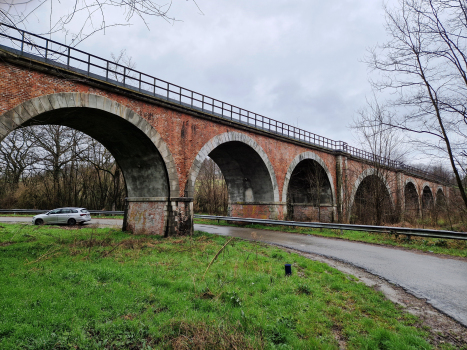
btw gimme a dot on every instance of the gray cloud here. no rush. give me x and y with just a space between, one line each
298 62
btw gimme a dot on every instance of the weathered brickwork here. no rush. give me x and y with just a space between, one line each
148 218
303 212
184 139
257 211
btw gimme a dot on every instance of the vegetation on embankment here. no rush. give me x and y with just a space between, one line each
452 247
71 288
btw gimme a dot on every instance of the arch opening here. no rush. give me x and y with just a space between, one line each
412 207
309 193
147 165
441 206
142 165
372 203
247 177
427 201
441 202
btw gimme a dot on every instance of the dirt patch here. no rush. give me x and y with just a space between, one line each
443 329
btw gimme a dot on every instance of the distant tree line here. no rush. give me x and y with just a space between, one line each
49 166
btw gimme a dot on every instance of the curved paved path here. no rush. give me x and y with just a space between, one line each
441 281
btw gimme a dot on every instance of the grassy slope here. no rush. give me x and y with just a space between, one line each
433 245
67 288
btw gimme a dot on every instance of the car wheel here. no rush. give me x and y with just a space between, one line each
39 222
71 222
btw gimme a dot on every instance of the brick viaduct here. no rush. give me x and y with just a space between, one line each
160 146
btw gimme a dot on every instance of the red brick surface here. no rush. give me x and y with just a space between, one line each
310 213
184 135
147 217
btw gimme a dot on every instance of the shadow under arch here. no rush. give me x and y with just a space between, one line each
313 170
245 166
145 160
372 192
427 198
411 199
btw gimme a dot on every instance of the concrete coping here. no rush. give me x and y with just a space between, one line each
159 199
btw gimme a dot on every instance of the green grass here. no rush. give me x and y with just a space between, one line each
452 247
64 288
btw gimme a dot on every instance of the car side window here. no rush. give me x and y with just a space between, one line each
65 211
56 211
74 210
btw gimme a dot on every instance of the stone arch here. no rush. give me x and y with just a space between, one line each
235 171
371 176
147 164
440 199
428 200
362 176
293 165
411 198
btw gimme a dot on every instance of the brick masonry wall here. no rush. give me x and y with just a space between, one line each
257 211
303 212
184 134
147 218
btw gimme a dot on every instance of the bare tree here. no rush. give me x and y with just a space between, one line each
49 166
372 202
80 19
425 64
211 195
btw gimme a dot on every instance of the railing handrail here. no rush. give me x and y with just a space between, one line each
334 226
137 80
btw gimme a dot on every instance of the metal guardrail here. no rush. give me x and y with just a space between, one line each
368 228
39 211
67 57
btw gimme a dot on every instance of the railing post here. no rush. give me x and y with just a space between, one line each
68 57
107 72
89 64
124 75
140 82
22 42
46 48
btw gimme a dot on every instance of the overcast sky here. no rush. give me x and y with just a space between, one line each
299 62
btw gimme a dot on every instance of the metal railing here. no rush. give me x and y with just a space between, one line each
67 57
367 228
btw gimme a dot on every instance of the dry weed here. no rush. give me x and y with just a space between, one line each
201 336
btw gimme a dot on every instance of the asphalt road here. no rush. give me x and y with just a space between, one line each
441 281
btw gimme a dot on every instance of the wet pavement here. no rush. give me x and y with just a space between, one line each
441 280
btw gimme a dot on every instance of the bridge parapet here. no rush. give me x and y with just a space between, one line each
65 57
